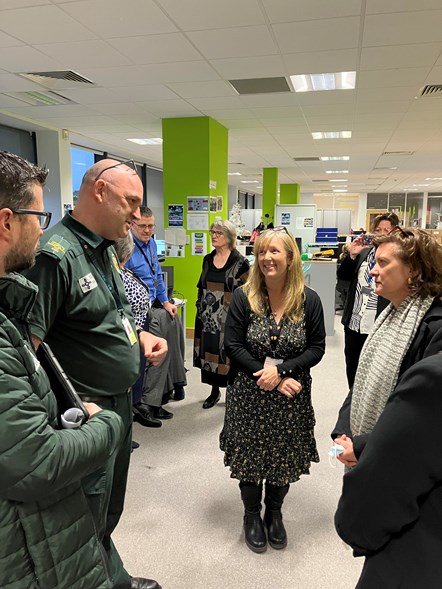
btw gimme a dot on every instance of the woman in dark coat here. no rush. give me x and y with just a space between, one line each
224 269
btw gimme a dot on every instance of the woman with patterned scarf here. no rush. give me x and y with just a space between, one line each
407 272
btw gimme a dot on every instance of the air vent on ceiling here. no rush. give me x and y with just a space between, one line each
62 79
236 164
431 90
260 85
398 153
306 159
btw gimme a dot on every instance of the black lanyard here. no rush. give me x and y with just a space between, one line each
149 262
112 289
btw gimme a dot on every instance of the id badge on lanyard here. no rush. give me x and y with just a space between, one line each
131 335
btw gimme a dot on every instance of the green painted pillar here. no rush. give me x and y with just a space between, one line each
195 163
269 192
290 194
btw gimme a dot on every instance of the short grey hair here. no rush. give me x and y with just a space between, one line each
124 248
229 231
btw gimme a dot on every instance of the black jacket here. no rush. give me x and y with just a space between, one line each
426 342
391 505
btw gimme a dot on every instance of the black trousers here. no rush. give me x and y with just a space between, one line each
354 342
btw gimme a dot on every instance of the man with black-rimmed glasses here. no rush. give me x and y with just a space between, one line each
83 313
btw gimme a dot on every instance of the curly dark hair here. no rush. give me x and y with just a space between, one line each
391 217
418 249
17 180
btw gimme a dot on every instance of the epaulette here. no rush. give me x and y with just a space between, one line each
57 247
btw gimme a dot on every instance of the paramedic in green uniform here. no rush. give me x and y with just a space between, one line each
83 314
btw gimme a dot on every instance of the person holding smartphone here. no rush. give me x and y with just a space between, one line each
362 305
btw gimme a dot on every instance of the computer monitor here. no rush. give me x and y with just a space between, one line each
161 247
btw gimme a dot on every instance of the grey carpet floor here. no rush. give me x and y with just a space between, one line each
182 523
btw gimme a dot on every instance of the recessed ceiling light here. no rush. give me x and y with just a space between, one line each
433 178
339 180
150 141
340 186
331 135
327 158
249 181
340 190
319 82
234 174
336 171
421 185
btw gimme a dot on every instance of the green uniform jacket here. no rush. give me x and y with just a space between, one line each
47 534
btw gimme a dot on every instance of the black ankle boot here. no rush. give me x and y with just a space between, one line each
275 528
274 498
254 532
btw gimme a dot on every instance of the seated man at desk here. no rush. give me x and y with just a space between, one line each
170 375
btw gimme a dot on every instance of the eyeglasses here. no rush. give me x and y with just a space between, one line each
214 233
129 163
275 230
44 217
144 227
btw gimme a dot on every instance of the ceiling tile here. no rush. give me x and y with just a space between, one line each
381 6
54 25
80 54
393 29
396 77
234 42
9 4
111 18
156 48
301 37
320 62
8 41
194 15
93 95
250 67
399 56
25 59
203 89
282 11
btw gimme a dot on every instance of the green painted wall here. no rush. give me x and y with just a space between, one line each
290 194
195 152
269 192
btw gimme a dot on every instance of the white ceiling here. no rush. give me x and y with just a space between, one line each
151 59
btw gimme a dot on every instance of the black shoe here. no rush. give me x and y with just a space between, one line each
211 401
135 445
179 393
144 416
140 583
161 413
254 532
275 529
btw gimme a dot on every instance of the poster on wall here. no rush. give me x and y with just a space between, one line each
175 251
199 243
285 218
303 222
219 203
197 221
175 215
213 204
197 204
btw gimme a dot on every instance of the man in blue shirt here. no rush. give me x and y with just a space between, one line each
170 375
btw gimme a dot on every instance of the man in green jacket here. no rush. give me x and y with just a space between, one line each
48 539
83 314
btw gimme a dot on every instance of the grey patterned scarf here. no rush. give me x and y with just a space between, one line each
381 359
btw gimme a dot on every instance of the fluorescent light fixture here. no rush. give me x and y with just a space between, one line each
319 82
421 185
340 190
150 141
336 171
340 186
249 181
433 178
329 158
234 174
339 180
332 135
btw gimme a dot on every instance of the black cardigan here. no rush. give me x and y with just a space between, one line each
426 342
236 345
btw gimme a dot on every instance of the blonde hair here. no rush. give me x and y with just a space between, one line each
255 287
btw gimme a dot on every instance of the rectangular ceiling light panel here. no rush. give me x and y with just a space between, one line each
321 82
